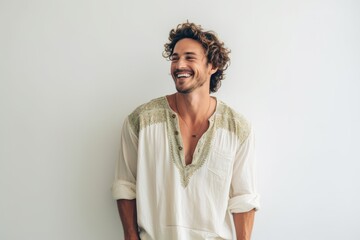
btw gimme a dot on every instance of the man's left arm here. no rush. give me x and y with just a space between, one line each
243 224
244 199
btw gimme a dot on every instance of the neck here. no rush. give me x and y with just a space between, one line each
194 107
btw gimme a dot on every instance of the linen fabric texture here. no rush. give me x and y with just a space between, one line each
178 201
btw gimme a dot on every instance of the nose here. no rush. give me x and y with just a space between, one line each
180 63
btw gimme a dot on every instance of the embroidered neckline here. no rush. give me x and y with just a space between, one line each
201 151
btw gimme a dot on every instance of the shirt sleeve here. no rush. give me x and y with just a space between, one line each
243 192
124 186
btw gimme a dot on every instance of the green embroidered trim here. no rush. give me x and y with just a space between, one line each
159 111
147 114
228 119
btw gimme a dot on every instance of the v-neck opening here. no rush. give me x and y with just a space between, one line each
202 148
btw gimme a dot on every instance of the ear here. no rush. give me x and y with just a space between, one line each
212 69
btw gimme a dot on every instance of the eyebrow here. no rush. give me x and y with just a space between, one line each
187 53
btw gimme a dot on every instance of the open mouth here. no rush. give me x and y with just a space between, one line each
181 75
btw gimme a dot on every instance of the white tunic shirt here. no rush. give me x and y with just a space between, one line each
179 201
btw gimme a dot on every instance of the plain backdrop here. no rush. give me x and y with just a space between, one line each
71 71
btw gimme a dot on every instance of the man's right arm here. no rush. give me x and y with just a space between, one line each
124 185
128 215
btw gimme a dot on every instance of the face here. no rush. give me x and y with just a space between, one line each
189 67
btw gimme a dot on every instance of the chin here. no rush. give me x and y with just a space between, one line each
183 91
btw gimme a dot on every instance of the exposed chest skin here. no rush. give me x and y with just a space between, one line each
189 141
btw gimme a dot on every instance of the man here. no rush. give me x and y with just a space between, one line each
186 167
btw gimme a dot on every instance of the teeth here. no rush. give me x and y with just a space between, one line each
183 75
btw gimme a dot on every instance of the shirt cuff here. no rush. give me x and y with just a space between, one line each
123 190
244 203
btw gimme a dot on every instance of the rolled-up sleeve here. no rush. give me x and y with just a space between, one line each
124 186
243 191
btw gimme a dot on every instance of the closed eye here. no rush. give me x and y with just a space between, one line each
174 58
190 58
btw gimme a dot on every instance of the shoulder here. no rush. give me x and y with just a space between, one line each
152 105
150 112
229 119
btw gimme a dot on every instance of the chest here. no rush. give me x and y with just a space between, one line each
190 136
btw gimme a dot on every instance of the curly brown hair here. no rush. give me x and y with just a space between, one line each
217 54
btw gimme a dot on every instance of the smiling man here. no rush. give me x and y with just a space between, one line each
187 162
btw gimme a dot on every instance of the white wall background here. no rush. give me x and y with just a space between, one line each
71 71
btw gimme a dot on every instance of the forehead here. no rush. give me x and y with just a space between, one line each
188 45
